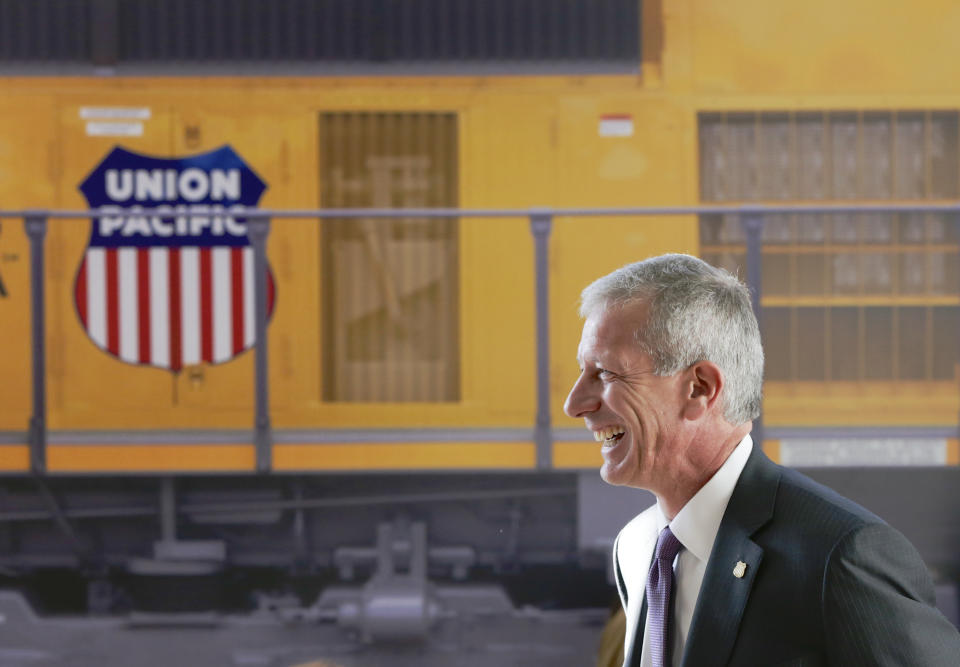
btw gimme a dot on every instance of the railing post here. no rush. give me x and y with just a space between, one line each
258 229
541 221
956 363
35 223
752 222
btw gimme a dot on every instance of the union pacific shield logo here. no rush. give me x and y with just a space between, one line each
173 289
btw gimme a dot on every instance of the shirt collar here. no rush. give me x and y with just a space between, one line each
697 522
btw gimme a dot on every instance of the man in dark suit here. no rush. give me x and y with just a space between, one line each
740 561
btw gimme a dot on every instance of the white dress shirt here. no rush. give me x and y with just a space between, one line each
696 526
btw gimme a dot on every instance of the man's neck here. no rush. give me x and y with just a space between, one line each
672 500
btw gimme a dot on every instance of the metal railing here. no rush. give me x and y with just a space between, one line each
540 220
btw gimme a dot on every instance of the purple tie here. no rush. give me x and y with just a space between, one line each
659 585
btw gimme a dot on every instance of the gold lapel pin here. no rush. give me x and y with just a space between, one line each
739 569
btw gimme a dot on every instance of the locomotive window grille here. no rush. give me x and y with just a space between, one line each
390 286
45 30
217 32
845 297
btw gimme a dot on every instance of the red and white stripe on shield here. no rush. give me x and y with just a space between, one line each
169 307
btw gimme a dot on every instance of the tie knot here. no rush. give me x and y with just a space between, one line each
668 546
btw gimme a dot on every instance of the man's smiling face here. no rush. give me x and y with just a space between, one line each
633 412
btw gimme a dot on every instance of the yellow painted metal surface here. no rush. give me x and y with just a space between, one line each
405 456
28 171
132 458
861 404
815 47
576 455
14 458
523 141
772 449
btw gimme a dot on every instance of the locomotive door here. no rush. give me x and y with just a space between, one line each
87 386
276 143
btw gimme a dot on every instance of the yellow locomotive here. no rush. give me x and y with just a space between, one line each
409 344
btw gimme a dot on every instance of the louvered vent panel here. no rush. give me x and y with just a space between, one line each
47 31
319 31
379 30
391 286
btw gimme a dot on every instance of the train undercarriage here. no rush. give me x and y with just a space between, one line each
355 569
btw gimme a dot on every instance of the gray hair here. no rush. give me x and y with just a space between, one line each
696 313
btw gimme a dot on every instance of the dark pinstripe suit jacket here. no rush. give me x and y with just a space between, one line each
826 583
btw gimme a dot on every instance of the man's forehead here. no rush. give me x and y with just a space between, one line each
611 329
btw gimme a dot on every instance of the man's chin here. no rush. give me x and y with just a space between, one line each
614 469
613 475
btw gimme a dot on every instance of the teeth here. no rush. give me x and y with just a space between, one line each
607 433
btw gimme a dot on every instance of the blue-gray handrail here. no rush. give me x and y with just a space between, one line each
540 219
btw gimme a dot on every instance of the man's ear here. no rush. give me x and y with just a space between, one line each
702 389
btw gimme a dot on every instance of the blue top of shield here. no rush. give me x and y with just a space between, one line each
198 191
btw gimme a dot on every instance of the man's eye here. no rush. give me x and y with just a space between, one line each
605 374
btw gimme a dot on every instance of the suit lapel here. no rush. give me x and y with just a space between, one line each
722 599
636 622
641 540
723 595
631 657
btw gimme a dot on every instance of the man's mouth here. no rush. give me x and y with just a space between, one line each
609 435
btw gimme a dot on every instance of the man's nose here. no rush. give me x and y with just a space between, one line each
581 400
